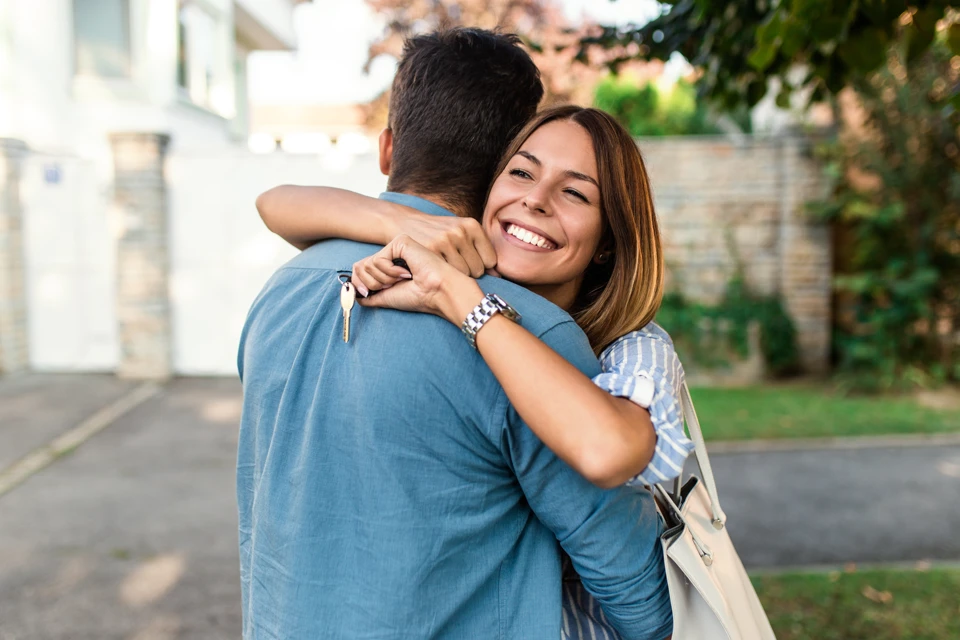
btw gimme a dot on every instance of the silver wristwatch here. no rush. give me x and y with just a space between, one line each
488 307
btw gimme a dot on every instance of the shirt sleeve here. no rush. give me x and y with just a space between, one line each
643 367
612 536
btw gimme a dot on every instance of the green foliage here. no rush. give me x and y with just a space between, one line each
741 44
646 110
896 210
714 335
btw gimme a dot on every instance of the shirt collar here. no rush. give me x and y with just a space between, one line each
416 202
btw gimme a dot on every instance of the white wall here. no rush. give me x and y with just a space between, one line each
70 258
220 252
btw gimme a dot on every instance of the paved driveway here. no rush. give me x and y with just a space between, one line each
133 535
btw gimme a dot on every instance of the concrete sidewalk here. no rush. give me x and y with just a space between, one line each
133 535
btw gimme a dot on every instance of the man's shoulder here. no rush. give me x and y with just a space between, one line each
547 321
335 254
539 314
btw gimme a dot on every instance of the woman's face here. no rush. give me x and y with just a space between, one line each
543 214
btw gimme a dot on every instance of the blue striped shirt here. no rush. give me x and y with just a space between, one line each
643 367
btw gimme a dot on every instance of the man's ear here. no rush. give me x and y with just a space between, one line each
386 151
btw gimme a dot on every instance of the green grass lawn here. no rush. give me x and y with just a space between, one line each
868 605
793 411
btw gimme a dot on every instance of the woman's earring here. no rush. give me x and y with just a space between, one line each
602 257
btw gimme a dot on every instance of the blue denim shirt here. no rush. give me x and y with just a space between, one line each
387 489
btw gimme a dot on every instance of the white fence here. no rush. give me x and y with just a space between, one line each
70 258
220 252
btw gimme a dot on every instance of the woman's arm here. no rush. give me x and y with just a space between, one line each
305 215
606 439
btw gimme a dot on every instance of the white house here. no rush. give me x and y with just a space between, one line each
73 75
73 70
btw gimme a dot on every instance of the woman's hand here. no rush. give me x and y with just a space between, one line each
429 284
461 242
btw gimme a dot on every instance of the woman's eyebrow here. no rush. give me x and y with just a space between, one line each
570 172
529 156
581 176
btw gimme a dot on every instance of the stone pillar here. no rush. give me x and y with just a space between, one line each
143 300
14 356
806 258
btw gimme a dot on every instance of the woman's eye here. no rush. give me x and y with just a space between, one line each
577 194
520 173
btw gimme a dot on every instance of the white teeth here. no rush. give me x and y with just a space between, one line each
529 237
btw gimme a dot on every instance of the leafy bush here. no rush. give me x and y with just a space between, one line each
646 110
713 335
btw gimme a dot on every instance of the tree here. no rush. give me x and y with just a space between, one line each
896 212
891 69
739 45
551 40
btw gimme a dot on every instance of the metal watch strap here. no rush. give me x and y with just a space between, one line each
491 305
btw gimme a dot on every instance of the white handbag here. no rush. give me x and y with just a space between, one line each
711 595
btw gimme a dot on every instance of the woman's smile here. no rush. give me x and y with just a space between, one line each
527 237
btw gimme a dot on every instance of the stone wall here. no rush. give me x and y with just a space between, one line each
723 200
143 292
13 307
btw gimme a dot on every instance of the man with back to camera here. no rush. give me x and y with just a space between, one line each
386 488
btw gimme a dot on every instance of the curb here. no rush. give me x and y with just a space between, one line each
45 455
837 443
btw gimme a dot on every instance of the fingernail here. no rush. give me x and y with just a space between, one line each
362 289
406 276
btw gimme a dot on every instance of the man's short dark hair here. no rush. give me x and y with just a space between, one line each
458 98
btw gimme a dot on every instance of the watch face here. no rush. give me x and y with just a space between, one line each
508 312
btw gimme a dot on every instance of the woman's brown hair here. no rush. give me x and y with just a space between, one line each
624 293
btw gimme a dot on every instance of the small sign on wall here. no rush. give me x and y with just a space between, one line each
52 173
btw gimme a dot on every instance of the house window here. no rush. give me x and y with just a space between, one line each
196 53
101 30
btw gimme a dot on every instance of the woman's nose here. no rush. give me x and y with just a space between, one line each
535 202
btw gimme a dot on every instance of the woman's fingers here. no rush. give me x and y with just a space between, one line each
485 250
453 257
377 273
474 262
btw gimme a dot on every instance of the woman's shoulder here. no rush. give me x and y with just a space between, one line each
651 333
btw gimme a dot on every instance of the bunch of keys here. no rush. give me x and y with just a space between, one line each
348 297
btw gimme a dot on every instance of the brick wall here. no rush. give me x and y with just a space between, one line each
722 199
13 307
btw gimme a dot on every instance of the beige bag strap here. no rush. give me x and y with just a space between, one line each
700 449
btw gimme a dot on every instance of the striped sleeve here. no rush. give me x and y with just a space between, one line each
643 367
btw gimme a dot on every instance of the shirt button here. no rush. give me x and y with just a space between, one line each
643 393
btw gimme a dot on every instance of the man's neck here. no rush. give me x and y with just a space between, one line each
438 199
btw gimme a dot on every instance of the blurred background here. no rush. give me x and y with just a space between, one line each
805 159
